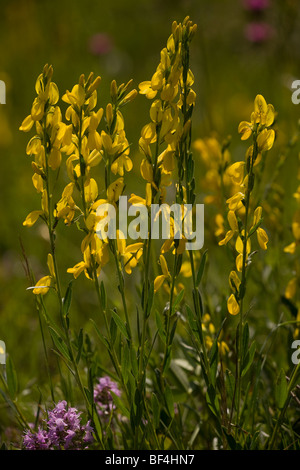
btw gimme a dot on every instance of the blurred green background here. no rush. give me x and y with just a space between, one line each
236 54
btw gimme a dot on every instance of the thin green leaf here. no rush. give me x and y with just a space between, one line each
281 390
201 268
120 324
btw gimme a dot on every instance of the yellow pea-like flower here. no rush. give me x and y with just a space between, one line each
235 202
37 181
27 124
265 140
148 133
233 221
32 218
54 159
245 128
77 269
262 238
239 245
115 190
42 286
90 190
291 288
146 170
239 262
290 248
159 280
157 80
228 237
234 281
220 230
156 112
236 172
232 305
146 89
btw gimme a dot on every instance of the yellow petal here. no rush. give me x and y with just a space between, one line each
270 115
236 172
262 238
291 288
233 221
239 262
146 170
245 129
90 190
234 280
54 160
227 238
164 266
37 110
44 284
290 248
265 140
50 264
37 181
32 218
27 124
232 305
77 269
158 282
115 190
257 215
235 202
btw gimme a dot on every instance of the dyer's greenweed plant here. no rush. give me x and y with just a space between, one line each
163 373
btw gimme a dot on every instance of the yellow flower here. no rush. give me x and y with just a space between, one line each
147 90
131 255
290 248
234 281
236 172
77 269
262 238
159 280
90 190
219 220
291 288
235 202
239 246
115 190
146 170
234 228
265 140
232 305
263 115
42 286
50 264
32 218
245 128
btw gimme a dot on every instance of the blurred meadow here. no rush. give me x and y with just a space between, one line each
238 52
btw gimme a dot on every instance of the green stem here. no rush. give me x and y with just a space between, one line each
122 291
242 289
169 314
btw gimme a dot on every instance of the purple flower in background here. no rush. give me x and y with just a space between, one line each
256 5
102 396
64 431
100 44
36 441
258 32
